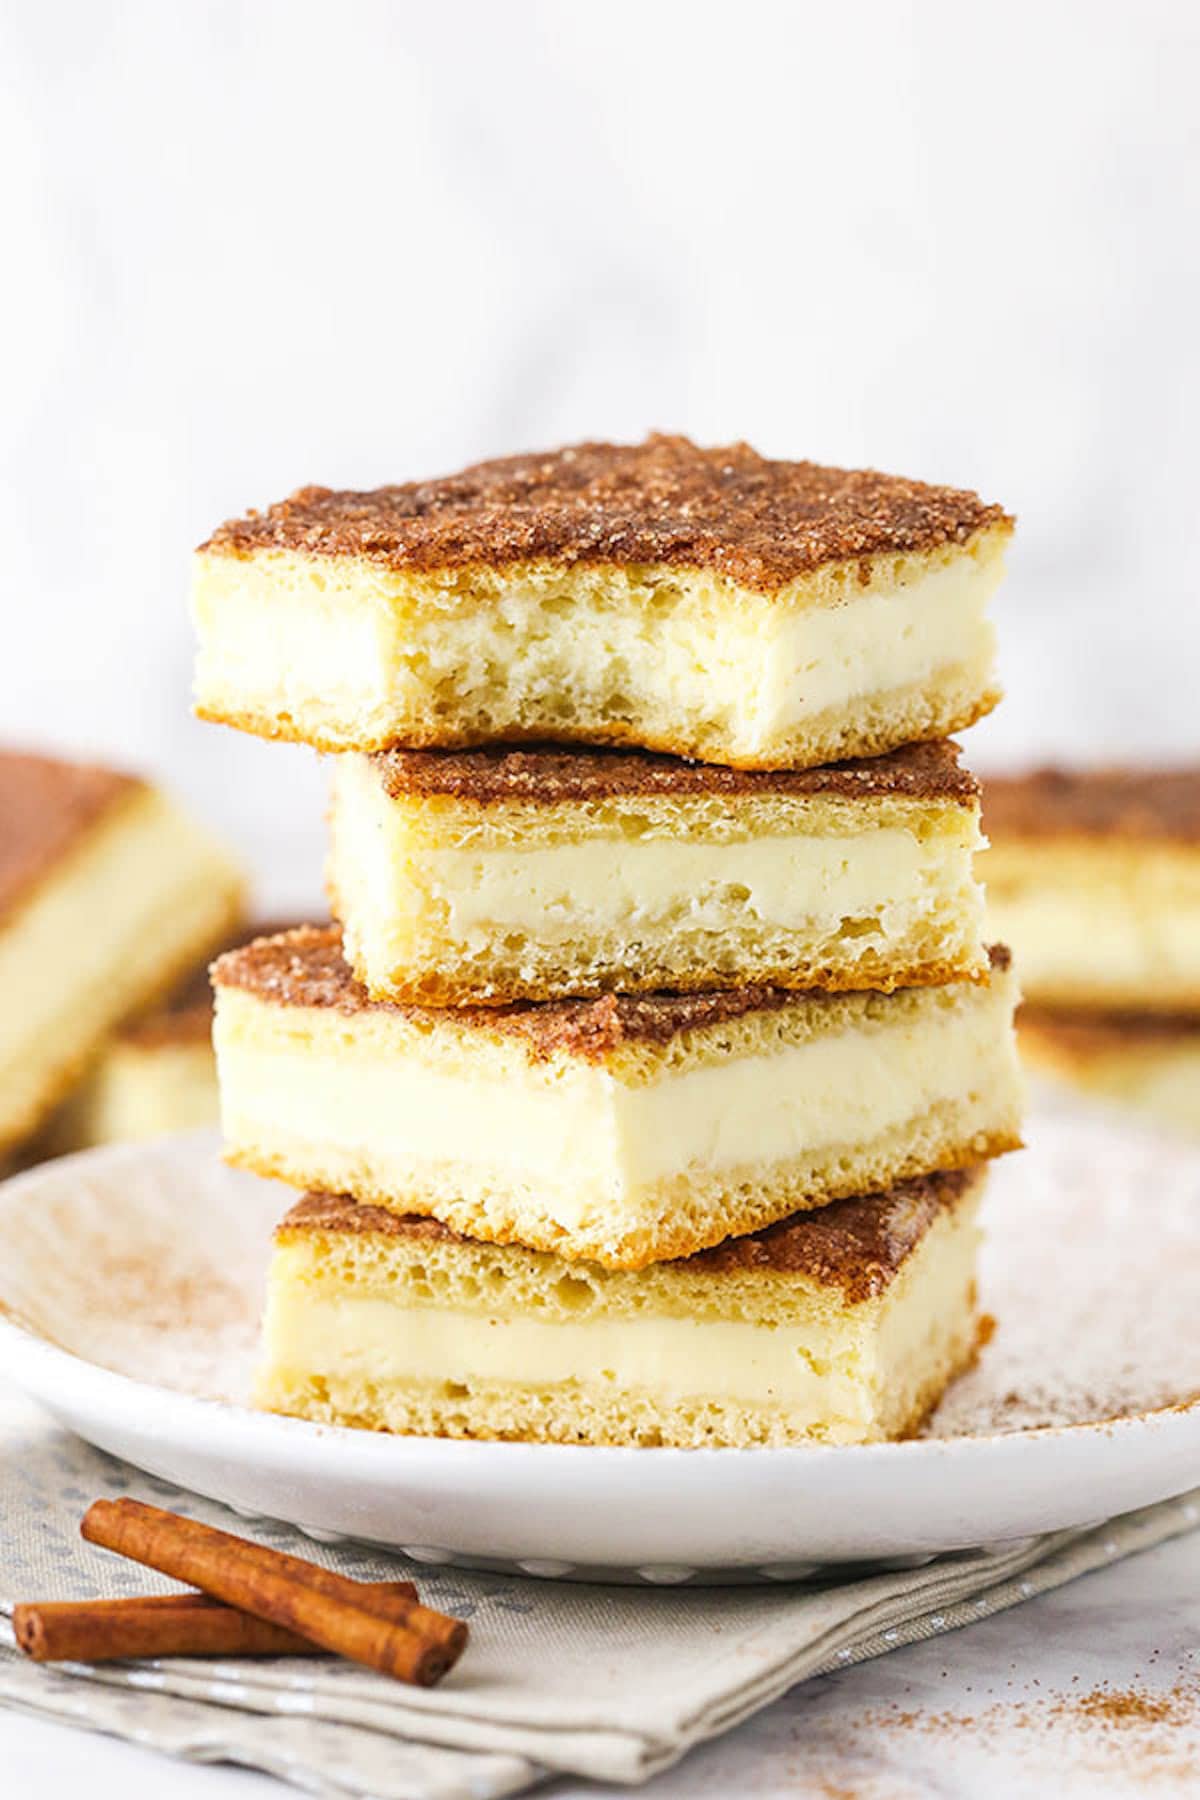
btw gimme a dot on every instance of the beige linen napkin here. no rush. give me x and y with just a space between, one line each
611 1683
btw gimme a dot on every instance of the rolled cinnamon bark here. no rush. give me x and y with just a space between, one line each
163 1625
414 1644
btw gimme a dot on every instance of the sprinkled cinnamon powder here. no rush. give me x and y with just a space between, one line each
1134 1706
1090 1268
1137 1733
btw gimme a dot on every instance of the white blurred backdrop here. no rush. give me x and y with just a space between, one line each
253 243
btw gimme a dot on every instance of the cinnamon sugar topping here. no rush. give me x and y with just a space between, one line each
306 968
551 776
665 502
46 806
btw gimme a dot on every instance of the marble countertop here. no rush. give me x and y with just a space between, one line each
1093 1689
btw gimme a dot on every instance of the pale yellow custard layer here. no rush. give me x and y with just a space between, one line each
652 1151
589 1142
347 1335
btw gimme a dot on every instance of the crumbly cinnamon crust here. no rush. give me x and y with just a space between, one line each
1110 802
434 991
552 776
46 806
665 502
306 968
857 1245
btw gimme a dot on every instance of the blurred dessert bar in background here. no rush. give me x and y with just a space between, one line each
155 1074
1093 877
109 893
1146 1060
488 876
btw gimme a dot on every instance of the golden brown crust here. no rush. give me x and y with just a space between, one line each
306 968
857 1245
1086 1032
1095 803
666 502
437 990
551 776
46 807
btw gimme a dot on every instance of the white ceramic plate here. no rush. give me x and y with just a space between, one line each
129 1293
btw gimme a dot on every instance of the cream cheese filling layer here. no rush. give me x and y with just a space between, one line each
881 881
586 1140
278 633
885 640
810 1366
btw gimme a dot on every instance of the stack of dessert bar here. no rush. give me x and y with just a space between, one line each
644 1092
1096 875
155 1074
108 894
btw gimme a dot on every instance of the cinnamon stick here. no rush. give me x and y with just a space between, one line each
413 1643
162 1625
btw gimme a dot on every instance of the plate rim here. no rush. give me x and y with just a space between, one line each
26 1341
665 1517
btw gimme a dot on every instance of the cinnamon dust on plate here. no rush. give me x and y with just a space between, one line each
1137 1731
